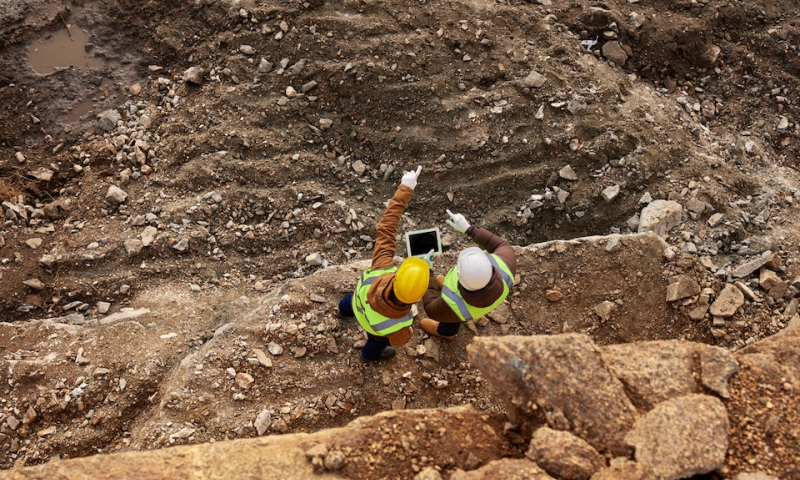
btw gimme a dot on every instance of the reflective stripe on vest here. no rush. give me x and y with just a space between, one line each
370 320
455 298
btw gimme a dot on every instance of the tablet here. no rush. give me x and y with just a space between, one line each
420 242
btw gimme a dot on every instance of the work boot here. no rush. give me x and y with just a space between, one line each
386 354
432 327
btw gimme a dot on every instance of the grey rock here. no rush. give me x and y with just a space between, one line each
194 75
102 307
182 245
715 220
47 260
660 216
534 80
124 314
507 468
274 348
610 193
562 377
682 437
746 269
567 173
684 286
613 51
314 260
653 372
148 235
334 460
265 66
107 121
696 206
247 49
262 422
298 67
325 124
116 195
308 86
133 247
563 455
728 301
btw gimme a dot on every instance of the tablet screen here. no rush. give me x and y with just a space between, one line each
423 242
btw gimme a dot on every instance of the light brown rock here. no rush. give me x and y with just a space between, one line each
728 302
563 455
682 437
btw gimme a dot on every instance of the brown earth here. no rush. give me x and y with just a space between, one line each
437 84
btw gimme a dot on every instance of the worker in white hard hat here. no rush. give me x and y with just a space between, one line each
476 285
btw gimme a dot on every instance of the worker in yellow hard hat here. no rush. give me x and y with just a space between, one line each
384 294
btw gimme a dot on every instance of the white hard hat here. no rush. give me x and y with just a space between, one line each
473 268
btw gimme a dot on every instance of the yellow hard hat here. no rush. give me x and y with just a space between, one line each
411 280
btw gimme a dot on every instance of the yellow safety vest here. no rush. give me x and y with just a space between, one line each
456 302
370 320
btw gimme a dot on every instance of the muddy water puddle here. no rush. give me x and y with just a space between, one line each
64 48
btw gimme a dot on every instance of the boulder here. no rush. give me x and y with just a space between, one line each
660 216
682 437
560 379
654 372
563 455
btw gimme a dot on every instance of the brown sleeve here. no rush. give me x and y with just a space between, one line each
494 244
386 241
435 306
399 337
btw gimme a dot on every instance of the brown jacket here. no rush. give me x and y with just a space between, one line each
434 304
381 294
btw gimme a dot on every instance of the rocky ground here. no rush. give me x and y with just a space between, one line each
158 253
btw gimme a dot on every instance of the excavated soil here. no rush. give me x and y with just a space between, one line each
307 115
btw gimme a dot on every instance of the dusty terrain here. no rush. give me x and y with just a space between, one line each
305 116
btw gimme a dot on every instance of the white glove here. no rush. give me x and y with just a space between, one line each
428 257
457 221
410 178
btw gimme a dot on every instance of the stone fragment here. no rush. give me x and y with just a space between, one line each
562 377
621 470
42 174
116 195
715 220
107 121
717 366
34 243
148 235
699 311
182 245
567 173
501 314
194 75
553 295
244 380
102 307
124 314
262 422
747 291
754 476
35 284
506 468
610 193
247 49
274 348
708 56
325 124
563 455
534 80
359 167
334 460
682 437
660 216
683 287
696 206
767 279
12 422
613 51
264 66
728 301
20 157
748 268
604 310
314 260
133 247
262 358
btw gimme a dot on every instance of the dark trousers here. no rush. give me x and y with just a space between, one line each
448 329
375 345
